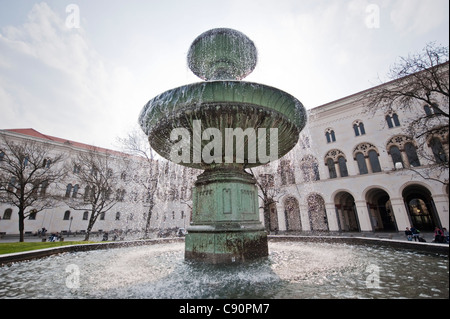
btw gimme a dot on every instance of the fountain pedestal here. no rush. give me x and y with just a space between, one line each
225 223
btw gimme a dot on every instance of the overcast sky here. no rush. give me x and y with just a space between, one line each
83 69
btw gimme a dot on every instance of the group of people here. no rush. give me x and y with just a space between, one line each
440 235
413 233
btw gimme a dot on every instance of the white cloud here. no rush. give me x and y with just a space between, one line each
418 16
52 80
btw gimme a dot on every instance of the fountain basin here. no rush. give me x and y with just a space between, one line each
221 105
292 270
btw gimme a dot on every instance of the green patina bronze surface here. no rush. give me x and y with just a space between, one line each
225 223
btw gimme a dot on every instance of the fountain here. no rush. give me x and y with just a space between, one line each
225 225
223 126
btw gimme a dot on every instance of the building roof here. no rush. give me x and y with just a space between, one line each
33 133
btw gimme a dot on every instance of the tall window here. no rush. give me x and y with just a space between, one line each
68 190
361 160
287 172
75 191
32 215
374 162
342 162
396 155
310 168
411 153
331 168
7 213
358 128
330 135
392 120
438 150
67 215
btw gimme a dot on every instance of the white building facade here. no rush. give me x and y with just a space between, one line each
172 195
358 171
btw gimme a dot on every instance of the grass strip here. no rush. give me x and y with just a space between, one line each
9 248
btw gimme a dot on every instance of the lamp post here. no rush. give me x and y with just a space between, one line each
70 224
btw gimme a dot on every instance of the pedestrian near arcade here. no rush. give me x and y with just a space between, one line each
415 233
408 234
438 235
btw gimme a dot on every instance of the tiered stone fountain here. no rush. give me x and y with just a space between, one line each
219 126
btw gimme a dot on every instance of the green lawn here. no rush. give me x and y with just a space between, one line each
8 248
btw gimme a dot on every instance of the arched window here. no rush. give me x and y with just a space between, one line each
67 215
330 136
366 156
402 149
7 213
438 150
389 121
392 120
359 129
286 172
68 190
396 155
336 158
118 216
396 120
360 159
411 153
433 110
343 166
331 168
310 168
374 162
75 191
85 215
87 193
43 188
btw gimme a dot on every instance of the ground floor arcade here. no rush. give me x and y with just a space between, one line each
390 207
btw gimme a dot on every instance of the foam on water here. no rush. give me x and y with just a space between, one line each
293 270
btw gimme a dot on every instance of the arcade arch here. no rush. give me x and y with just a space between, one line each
317 212
380 210
346 211
420 207
292 214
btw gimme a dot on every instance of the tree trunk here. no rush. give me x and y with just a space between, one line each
21 225
149 217
266 210
90 226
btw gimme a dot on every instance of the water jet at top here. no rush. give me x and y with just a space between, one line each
223 126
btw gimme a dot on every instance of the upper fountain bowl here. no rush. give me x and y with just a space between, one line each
222 54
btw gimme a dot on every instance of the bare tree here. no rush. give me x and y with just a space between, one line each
27 170
269 195
99 174
419 79
136 144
